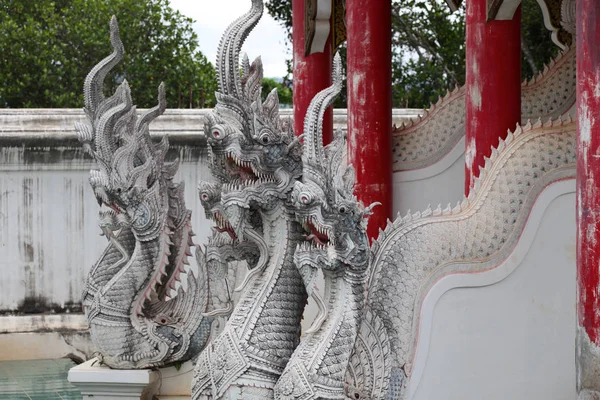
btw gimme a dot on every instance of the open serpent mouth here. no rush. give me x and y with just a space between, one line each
109 208
223 225
245 174
111 218
316 234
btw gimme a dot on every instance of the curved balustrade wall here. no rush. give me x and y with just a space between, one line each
429 151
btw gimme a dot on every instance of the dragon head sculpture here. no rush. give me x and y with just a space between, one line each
223 246
210 198
323 199
139 313
251 152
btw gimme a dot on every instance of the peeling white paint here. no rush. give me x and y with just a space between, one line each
358 92
479 33
470 153
475 97
591 234
588 365
585 121
596 83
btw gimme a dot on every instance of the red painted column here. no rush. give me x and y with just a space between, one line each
588 199
312 74
369 80
493 83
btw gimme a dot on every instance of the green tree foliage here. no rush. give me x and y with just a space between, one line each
428 47
428 51
536 45
283 91
47 48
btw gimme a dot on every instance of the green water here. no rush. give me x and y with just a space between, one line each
37 380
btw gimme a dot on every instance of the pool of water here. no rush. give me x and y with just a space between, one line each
37 380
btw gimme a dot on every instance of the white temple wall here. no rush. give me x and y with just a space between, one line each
442 183
49 233
507 333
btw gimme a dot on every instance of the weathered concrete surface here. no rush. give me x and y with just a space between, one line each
38 345
49 236
42 323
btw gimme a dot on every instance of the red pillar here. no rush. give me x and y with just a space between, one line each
588 199
369 80
312 74
493 83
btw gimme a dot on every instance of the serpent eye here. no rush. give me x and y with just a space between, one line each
342 209
305 198
204 196
163 319
218 133
264 138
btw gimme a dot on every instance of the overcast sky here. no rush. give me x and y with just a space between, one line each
212 18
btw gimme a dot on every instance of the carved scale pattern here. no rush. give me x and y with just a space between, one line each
258 162
427 140
133 321
552 92
324 202
416 251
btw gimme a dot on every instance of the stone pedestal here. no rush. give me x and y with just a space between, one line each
98 382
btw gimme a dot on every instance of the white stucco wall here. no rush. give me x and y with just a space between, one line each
439 184
49 235
507 333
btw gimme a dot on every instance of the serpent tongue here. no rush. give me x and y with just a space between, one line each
114 207
229 232
314 238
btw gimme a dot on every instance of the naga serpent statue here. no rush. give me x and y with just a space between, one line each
286 209
296 206
137 312
258 162
325 204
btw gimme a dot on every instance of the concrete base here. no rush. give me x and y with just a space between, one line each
176 382
98 382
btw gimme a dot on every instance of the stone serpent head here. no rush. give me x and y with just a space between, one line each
129 183
323 199
139 317
251 152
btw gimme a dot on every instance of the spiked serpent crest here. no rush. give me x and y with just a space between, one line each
428 139
289 212
137 311
336 246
